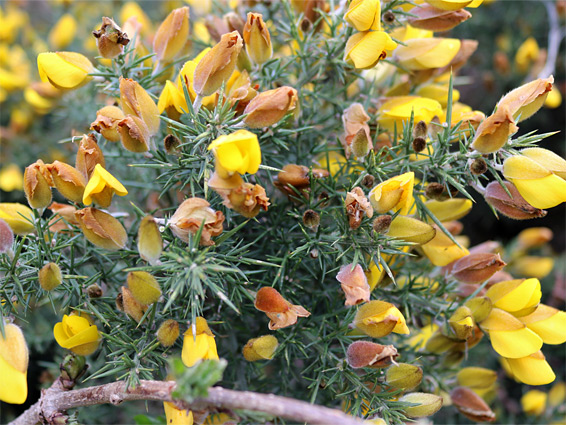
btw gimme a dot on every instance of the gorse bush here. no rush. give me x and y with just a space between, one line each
264 197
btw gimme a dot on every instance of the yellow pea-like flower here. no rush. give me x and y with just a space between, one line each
533 402
365 49
397 110
380 318
172 35
519 296
18 217
261 348
63 33
394 194
427 53
451 4
364 15
64 70
176 416
451 209
547 322
101 187
198 346
441 251
14 357
531 370
237 152
78 334
527 53
172 101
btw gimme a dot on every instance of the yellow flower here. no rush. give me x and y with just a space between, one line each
530 370
14 358
519 296
533 402
419 340
557 394
261 348
186 75
476 378
554 98
365 49
536 184
510 338
63 33
77 333
411 230
18 216
394 194
547 159
132 10
532 266
364 15
441 251
137 102
11 178
527 99
257 39
101 187
380 318
176 416
172 100
527 54
492 134
427 53
451 209
150 242
548 323
397 110
64 70
438 92
236 152
200 345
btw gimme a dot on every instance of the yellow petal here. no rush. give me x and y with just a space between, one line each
531 370
176 416
515 295
548 323
546 192
14 388
194 349
18 216
88 335
515 344
64 70
365 49
449 4
451 209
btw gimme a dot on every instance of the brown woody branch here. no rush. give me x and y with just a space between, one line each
55 400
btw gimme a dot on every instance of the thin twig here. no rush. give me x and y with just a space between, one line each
555 36
55 400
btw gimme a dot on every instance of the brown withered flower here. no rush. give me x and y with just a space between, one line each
218 64
269 107
172 35
257 39
131 306
101 228
281 312
63 215
110 39
494 131
369 354
68 180
189 217
88 155
247 199
438 20
234 22
357 205
355 121
476 268
137 102
298 177
239 91
134 134
37 184
106 122
471 405
513 206
354 283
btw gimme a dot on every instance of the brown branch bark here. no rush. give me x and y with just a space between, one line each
55 400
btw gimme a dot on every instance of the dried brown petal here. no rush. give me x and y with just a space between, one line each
476 268
471 405
513 206
37 184
68 181
437 20
269 107
281 312
89 155
354 283
357 205
189 217
368 354
106 122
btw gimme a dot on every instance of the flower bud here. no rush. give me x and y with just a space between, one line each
361 144
168 333
143 287
478 166
434 190
257 39
134 134
281 312
526 100
110 39
494 131
380 318
369 354
357 206
311 219
368 181
477 268
354 283
262 348
381 224
106 123
171 144
471 405
6 237
437 20
191 215
37 185
419 144
269 107
131 306
513 206
150 242
94 291
68 180
462 323
411 230
403 376
476 377
427 404
480 307
172 35
101 229
217 65
64 70
137 102
89 155
50 277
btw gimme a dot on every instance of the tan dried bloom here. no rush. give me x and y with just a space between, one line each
134 134
281 312
438 20
106 122
172 35
269 107
189 217
354 283
369 354
357 205
89 155
513 206
63 215
477 268
110 39
137 102
218 64
355 120
494 131
37 184
68 180
257 39
298 177
245 198
150 242
131 306
471 405
524 101
101 228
